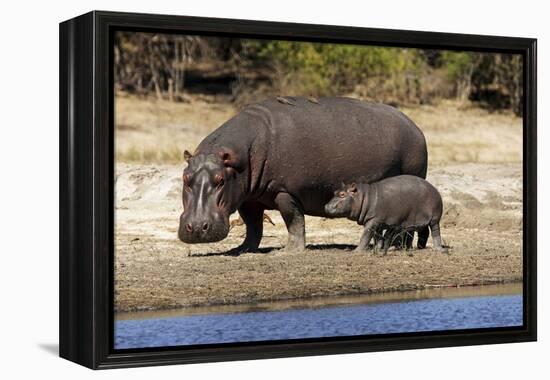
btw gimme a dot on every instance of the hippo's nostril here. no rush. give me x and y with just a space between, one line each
205 226
189 227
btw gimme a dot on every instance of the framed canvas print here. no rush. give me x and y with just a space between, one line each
236 189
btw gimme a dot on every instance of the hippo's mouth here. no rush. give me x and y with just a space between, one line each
333 211
190 234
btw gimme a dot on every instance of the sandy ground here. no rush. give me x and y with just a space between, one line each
475 162
482 223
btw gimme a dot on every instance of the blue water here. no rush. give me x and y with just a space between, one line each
381 318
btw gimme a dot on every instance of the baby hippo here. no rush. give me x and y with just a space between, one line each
402 203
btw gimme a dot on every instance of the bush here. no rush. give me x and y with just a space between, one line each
168 65
302 68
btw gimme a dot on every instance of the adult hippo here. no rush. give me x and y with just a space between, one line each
291 154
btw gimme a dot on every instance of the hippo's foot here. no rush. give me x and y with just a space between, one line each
443 250
364 249
295 245
234 252
295 248
243 248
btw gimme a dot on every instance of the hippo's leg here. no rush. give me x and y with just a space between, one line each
436 236
252 215
291 211
368 232
423 235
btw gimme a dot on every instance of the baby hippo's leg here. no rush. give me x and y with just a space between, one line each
368 232
436 236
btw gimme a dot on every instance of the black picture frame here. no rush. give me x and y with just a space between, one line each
86 189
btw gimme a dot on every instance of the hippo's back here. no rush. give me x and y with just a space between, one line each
308 148
407 200
315 147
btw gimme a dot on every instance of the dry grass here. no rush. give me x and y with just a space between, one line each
457 133
153 131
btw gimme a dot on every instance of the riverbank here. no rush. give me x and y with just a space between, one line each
425 310
153 270
515 288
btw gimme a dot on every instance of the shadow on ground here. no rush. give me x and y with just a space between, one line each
264 250
321 247
232 252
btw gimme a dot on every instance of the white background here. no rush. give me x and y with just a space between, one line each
29 186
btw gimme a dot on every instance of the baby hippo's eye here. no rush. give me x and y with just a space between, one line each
342 194
218 180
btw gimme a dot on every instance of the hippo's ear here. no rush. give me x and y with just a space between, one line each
187 155
352 188
232 160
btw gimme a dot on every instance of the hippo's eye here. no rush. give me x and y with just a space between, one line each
342 194
218 180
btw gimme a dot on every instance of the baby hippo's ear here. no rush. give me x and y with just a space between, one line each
352 188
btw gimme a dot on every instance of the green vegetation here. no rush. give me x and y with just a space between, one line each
331 69
169 66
